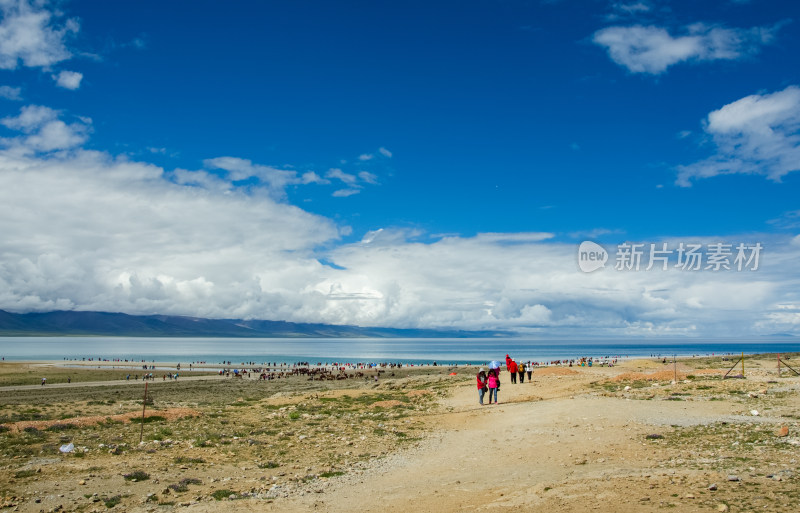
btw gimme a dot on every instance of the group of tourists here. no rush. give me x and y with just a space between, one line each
489 381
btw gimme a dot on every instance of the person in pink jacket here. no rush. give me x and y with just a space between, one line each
493 382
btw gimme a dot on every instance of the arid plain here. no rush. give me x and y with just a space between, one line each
625 438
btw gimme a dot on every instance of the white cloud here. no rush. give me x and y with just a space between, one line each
31 117
338 174
69 79
353 182
88 231
344 193
368 177
650 49
637 7
484 282
85 230
595 233
504 238
57 135
312 177
276 180
364 157
44 131
10 93
758 134
28 35
621 10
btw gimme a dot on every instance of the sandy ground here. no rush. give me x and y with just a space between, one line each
546 447
570 440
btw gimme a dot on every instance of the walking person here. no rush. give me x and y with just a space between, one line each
529 370
493 383
521 372
512 368
482 388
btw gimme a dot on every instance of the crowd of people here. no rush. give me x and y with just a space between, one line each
489 381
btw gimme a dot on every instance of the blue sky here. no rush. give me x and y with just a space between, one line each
409 164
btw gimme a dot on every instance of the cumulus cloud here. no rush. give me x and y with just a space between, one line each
30 35
10 93
651 49
86 230
758 134
533 284
69 79
45 131
312 177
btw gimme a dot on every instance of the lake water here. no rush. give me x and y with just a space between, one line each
444 351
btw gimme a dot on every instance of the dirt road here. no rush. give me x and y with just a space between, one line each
548 446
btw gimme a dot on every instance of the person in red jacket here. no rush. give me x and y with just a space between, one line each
482 386
512 368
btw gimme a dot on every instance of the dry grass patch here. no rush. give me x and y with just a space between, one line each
712 372
418 393
664 375
554 371
388 404
168 415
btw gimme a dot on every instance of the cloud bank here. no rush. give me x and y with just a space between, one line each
84 230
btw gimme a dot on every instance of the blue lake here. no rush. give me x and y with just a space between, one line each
470 350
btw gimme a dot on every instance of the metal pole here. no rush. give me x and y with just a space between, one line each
779 365
743 364
144 405
675 367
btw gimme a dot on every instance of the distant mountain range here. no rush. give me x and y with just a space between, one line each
63 323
